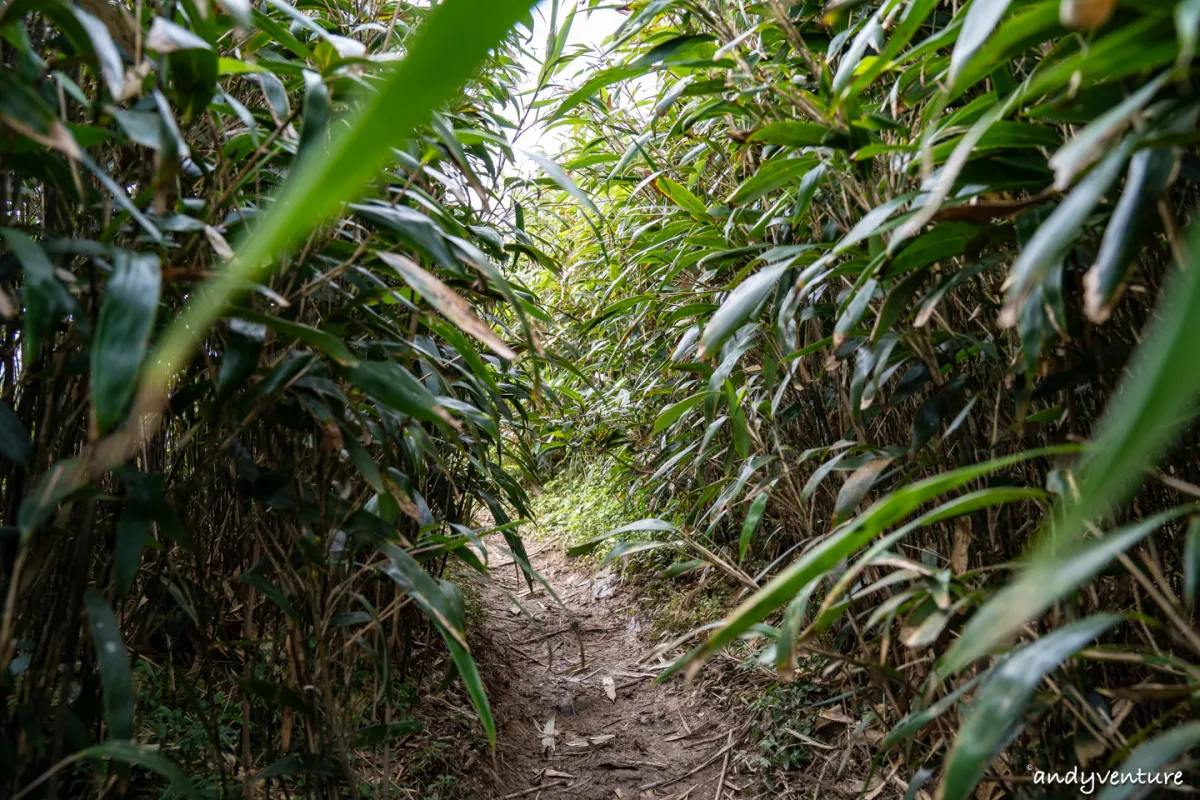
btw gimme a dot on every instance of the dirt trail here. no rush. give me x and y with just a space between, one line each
590 724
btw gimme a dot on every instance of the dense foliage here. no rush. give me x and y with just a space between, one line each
222 558
884 309
847 292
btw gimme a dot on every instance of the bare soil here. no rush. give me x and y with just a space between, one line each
578 712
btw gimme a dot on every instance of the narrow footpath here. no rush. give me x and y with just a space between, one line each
572 688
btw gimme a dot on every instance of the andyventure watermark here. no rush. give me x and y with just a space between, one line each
1088 781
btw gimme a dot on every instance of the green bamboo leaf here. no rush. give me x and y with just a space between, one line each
914 16
129 540
843 542
444 53
871 36
1088 145
896 304
739 307
680 196
394 386
773 174
669 415
119 345
791 134
981 19
113 661
430 598
290 331
46 299
1151 404
951 509
416 229
1059 232
809 185
856 309
563 180
641 525
594 84
166 37
15 443
243 347
139 755
1191 563
317 112
750 526
856 488
240 10
917 719
623 549
1148 179
819 474
1046 580
1187 24
112 68
671 49
1149 760
1001 702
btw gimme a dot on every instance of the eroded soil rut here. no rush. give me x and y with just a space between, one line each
577 710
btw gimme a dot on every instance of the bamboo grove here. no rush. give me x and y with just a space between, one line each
244 438
887 310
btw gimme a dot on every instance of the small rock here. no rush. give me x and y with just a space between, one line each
604 585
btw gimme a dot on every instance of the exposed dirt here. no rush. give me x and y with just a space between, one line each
577 710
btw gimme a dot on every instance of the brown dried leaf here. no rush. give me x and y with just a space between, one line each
960 556
447 302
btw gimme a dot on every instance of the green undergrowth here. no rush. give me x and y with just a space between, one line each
591 500
581 504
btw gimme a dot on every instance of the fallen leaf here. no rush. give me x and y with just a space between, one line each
833 715
960 556
219 245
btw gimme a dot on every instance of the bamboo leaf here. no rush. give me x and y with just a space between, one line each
138 755
46 299
1000 703
1150 406
429 597
791 134
1149 760
750 525
981 19
119 346
739 307
451 305
641 525
15 443
113 661
844 541
455 38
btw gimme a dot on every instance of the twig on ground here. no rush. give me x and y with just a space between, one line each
528 792
693 771
724 768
